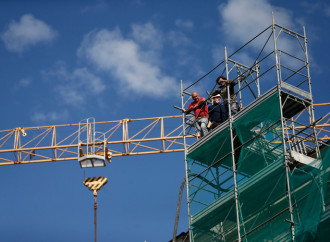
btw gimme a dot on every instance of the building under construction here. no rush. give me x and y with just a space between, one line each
262 175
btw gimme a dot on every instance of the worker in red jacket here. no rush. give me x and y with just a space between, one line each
199 106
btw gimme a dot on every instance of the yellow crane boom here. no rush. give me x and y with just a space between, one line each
123 137
60 142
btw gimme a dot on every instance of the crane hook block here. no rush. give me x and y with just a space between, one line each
95 183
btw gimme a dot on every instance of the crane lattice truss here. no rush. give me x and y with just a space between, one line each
60 142
123 137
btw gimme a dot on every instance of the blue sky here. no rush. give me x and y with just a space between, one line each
64 61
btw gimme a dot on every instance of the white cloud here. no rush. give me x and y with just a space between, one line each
148 35
76 87
241 20
46 117
27 32
128 62
184 24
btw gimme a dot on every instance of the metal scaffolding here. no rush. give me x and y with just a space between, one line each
276 72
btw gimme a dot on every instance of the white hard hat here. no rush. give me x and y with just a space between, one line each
218 95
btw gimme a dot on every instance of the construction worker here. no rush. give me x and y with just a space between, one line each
222 90
201 113
217 112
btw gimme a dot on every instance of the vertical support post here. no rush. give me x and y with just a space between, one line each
125 135
16 133
287 169
258 81
310 92
89 137
93 136
54 141
294 142
222 232
79 138
275 52
185 161
239 88
233 153
310 118
17 143
162 132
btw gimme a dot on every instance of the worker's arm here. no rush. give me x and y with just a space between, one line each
188 110
201 102
231 82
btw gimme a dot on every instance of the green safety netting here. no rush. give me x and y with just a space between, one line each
262 198
309 193
212 159
211 178
213 149
260 133
263 213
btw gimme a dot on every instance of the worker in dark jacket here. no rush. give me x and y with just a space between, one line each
217 112
222 90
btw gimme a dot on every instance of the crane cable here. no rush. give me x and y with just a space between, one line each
178 210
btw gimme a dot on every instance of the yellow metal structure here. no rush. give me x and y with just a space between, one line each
123 138
60 142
